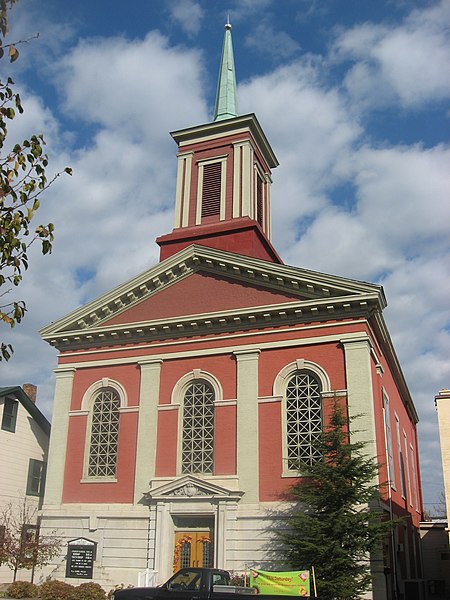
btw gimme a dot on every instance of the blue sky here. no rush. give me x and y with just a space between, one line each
354 98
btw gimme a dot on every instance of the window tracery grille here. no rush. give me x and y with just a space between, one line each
185 555
303 419
104 434
207 554
198 429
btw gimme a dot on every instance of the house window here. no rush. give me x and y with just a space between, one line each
28 542
400 457
408 476
9 417
36 478
414 476
28 534
197 454
104 434
388 432
211 189
303 419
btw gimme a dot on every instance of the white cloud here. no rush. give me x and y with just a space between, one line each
144 88
244 9
272 43
311 133
403 193
406 63
330 244
188 14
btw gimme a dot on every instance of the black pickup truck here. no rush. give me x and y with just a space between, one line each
195 584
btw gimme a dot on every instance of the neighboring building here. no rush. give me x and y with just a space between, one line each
436 557
186 397
443 413
24 439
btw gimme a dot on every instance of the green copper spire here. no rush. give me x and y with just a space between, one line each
226 99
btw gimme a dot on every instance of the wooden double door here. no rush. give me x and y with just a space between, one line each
193 548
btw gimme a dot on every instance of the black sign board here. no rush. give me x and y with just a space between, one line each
80 559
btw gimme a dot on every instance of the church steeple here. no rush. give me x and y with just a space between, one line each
224 178
226 98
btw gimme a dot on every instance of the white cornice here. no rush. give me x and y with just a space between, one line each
319 296
207 323
218 129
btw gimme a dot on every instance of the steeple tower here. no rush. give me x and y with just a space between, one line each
226 99
224 178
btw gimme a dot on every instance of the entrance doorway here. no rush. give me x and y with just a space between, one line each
194 542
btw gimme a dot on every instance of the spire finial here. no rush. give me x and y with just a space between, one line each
226 99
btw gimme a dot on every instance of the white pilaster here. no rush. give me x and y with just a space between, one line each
183 189
247 180
58 436
268 220
360 392
247 425
221 535
147 426
164 541
237 178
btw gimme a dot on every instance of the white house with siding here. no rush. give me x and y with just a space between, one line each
24 438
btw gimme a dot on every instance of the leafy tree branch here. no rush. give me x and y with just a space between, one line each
23 179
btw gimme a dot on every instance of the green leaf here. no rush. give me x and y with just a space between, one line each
46 247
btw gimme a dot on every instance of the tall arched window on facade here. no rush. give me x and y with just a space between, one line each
303 419
104 437
197 452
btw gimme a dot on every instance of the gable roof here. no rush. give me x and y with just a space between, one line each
18 393
298 293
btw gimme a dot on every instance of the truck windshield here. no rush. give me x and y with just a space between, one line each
185 580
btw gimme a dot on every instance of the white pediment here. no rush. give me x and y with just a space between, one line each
191 488
309 295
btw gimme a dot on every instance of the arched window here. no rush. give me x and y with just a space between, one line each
197 452
303 419
104 436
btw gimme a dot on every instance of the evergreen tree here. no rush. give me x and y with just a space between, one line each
337 519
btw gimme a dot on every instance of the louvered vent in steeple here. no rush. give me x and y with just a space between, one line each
211 189
259 200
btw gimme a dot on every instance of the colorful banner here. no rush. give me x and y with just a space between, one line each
289 583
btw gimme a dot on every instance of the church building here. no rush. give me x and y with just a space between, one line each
186 397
